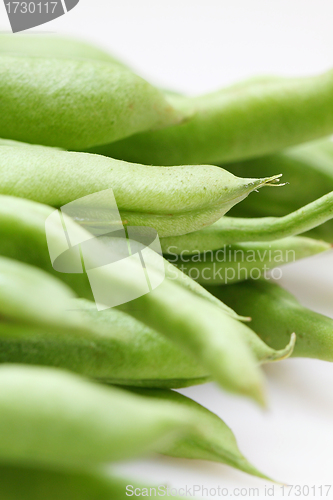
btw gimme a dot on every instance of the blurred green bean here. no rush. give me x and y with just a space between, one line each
257 117
276 313
206 331
54 418
214 441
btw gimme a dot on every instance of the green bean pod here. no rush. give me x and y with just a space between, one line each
76 103
230 230
38 483
309 168
254 118
196 325
276 313
174 201
213 442
41 324
51 417
251 260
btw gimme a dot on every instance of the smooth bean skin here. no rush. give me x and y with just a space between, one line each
111 346
24 220
229 230
52 417
276 313
250 260
206 331
33 483
173 200
258 117
307 168
214 441
76 103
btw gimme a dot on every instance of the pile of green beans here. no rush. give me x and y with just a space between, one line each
83 384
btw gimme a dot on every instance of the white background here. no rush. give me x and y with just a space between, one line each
196 46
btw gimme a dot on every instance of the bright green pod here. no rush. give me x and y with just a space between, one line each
76 103
214 441
41 324
174 201
37 483
229 230
254 118
54 418
309 168
206 331
251 260
276 313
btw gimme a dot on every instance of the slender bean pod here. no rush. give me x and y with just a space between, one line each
76 103
276 313
170 309
258 117
51 417
214 440
41 324
230 230
172 200
251 260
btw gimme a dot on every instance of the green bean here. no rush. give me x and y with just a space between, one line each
214 441
258 117
76 104
41 324
308 167
33 483
276 313
51 417
244 261
174 201
50 46
210 334
230 230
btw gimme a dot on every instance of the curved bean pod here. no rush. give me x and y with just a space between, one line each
51 417
308 167
259 117
76 104
276 313
230 230
33 483
214 441
42 325
251 260
172 200
196 325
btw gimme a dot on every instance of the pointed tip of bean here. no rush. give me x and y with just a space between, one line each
287 351
260 398
270 181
